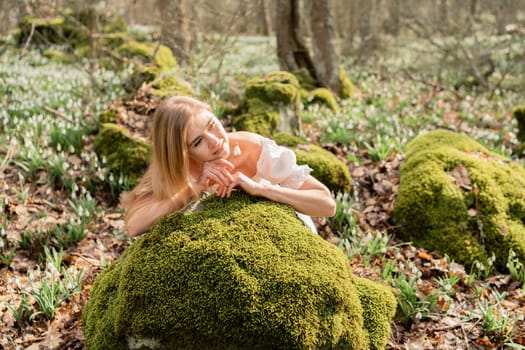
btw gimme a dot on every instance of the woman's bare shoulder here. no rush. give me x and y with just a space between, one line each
245 137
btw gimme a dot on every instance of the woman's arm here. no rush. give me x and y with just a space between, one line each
142 215
311 198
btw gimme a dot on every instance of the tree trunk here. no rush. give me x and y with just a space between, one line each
504 15
323 44
291 49
394 7
174 28
263 19
443 14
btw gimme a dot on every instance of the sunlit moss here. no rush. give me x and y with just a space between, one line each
269 101
124 154
170 86
468 219
244 273
326 167
347 87
323 96
160 55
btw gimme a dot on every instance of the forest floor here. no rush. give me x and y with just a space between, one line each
460 319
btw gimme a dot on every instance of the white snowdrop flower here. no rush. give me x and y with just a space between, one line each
71 149
6 201
65 166
448 287
111 178
75 187
6 187
383 250
51 268
18 284
2 244
48 191
74 195
88 196
2 232
80 211
419 316
59 147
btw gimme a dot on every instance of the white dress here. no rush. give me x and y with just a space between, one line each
277 166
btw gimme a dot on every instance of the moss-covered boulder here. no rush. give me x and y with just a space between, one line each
519 115
326 167
124 153
460 199
170 85
270 103
240 273
70 28
323 97
149 53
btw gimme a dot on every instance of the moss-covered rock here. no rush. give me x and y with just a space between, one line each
149 53
519 115
270 103
326 167
43 31
347 87
170 85
123 153
323 97
458 198
58 56
69 28
108 116
305 79
243 273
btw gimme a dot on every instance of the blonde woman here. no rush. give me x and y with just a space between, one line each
192 153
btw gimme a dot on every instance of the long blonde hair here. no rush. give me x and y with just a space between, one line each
169 170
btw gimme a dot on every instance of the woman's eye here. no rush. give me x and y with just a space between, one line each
197 142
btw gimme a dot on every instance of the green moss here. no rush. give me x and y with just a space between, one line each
259 117
169 86
160 55
123 153
326 167
519 115
440 213
44 31
108 116
379 307
347 87
244 273
305 79
324 97
58 56
266 101
141 74
274 88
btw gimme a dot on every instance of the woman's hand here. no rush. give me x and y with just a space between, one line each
217 171
239 180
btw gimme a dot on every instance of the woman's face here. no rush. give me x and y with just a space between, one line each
207 139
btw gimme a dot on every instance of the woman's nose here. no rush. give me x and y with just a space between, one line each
213 139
